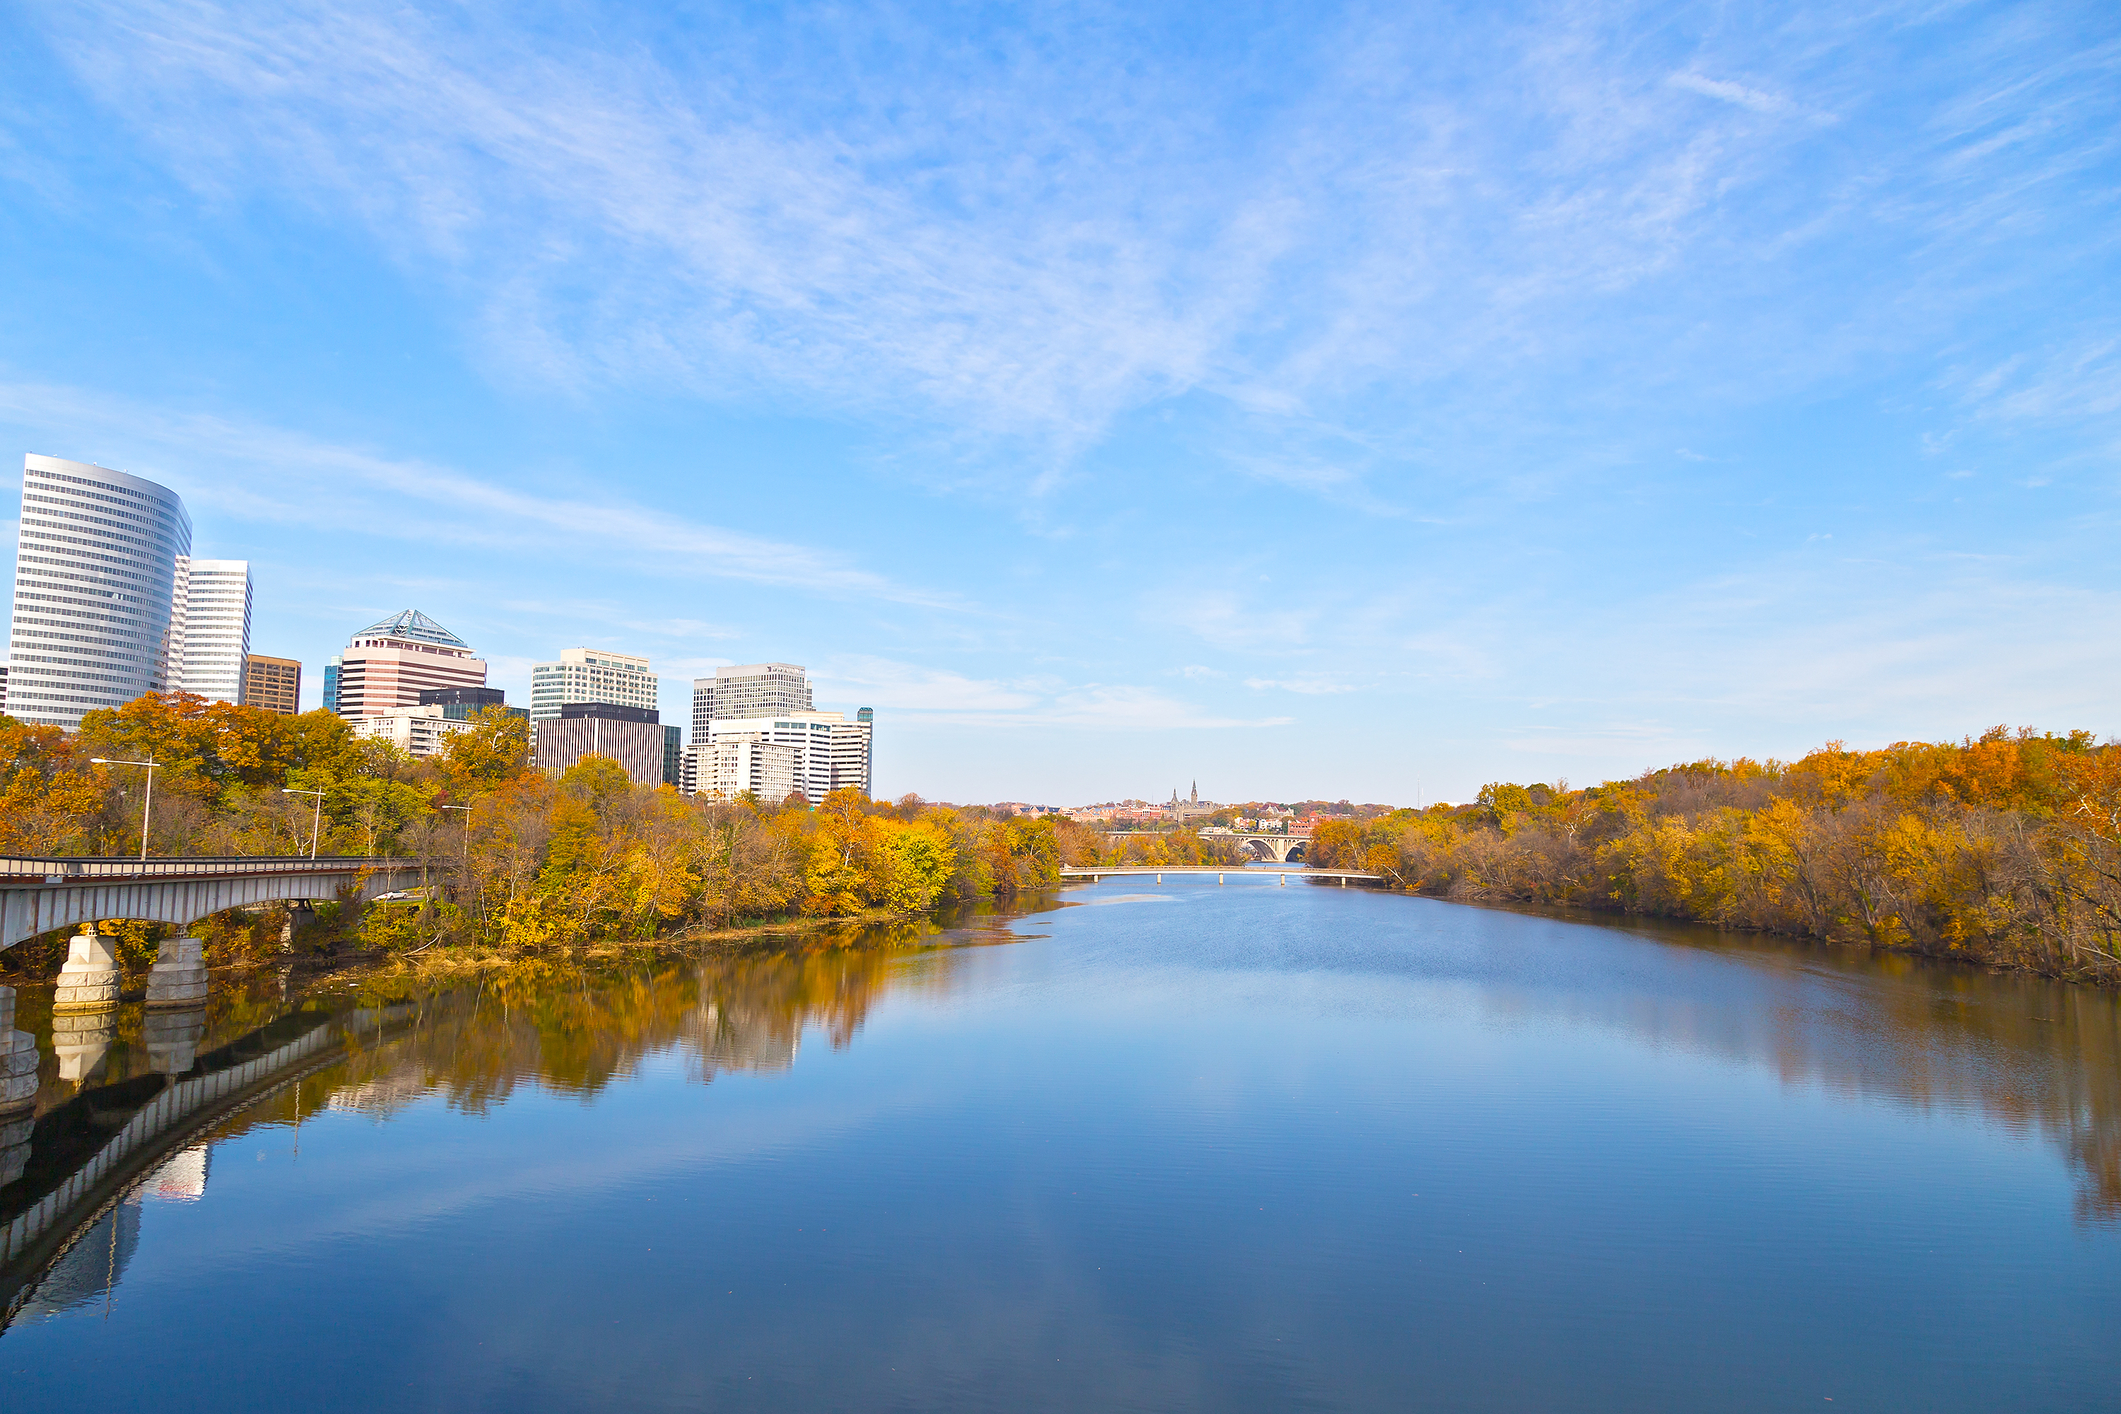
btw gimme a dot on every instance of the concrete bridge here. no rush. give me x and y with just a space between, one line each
39 895
1092 873
1278 848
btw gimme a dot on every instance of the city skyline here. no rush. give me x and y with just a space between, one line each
1346 416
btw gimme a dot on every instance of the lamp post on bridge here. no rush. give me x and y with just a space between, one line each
147 802
316 820
467 827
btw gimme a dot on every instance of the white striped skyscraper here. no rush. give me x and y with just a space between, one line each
95 567
209 635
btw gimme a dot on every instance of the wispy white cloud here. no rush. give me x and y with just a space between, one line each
880 682
1019 245
942 696
269 474
1310 687
1759 100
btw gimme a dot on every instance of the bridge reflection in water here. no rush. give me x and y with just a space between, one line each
2041 1056
133 1098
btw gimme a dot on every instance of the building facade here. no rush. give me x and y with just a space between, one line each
830 752
631 736
274 684
95 570
673 755
461 704
209 628
750 690
741 762
417 731
388 665
591 675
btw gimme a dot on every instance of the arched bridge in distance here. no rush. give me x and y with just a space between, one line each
1266 848
1095 873
40 895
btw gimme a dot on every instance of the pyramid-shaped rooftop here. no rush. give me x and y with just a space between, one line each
414 625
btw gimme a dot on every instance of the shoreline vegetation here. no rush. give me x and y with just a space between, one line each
2002 850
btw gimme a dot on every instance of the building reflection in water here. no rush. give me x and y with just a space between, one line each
85 1277
2036 1056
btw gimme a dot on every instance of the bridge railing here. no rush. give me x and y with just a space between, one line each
65 868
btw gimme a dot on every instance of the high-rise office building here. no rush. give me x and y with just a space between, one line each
389 664
209 628
591 675
95 568
631 736
750 690
867 717
274 684
742 762
416 731
461 704
831 753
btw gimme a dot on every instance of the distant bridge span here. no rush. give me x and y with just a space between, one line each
1278 848
39 895
1094 872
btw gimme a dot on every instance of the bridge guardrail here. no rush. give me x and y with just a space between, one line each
65 868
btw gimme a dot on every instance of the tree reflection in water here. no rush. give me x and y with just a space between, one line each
575 1028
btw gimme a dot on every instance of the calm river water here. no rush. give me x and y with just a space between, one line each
1146 1147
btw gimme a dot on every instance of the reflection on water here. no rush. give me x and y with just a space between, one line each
576 1029
1161 1148
558 1025
85 1275
2031 1055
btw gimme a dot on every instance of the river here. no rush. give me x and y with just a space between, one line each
1140 1146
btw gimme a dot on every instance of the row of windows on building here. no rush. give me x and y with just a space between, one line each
115 606
110 602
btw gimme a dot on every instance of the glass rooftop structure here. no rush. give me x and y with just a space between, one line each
413 625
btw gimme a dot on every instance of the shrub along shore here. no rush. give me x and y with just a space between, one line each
2003 850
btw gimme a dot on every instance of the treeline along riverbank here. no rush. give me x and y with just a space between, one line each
2004 850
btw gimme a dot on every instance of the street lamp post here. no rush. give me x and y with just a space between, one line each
316 820
147 802
467 826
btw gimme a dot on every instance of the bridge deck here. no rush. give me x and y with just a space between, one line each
38 895
1096 872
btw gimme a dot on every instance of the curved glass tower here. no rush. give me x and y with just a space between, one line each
95 564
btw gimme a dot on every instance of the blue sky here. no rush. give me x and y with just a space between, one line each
1308 400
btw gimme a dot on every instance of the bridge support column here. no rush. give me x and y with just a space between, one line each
1343 881
173 1039
89 980
18 1067
1284 881
1218 878
1159 878
179 978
